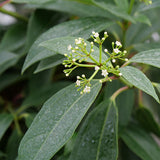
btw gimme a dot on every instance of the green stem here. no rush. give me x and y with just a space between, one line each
93 75
115 94
15 119
13 14
93 60
100 53
131 6
83 65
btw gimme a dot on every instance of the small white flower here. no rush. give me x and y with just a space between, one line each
100 81
93 32
78 82
95 40
67 75
120 74
65 55
106 50
87 89
85 44
73 51
66 66
73 59
126 59
91 43
78 77
124 51
116 50
113 60
83 76
103 38
96 35
76 47
78 41
104 73
92 50
69 47
105 33
96 68
118 43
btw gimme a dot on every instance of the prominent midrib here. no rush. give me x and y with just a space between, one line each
60 121
101 135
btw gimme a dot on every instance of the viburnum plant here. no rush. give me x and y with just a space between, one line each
79 80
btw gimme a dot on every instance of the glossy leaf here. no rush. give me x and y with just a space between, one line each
150 57
98 139
139 80
147 120
59 45
141 143
116 11
5 121
56 122
80 28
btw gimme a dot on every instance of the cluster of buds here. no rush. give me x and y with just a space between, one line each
80 52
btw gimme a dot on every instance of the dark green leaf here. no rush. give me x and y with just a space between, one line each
31 1
12 146
98 139
82 28
151 57
56 122
139 80
142 18
5 121
59 45
116 11
141 143
147 120
14 38
7 59
122 4
40 21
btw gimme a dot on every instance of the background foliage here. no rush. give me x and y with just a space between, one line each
43 117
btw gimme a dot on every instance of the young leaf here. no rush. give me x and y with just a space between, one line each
147 120
59 45
139 80
151 57
82 28
98 137
56 122
5 121
141 143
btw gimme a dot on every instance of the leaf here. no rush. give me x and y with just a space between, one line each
49 63
59 45
141 143
56 122
7 59
150 57
39 22
116 11
124 102
31 1
12 145
139 80
29 119
14 38
98 137
5 121
122 4
75 7
82 28
142 18
39 96
147 120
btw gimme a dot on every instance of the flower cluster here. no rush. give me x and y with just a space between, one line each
81 51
